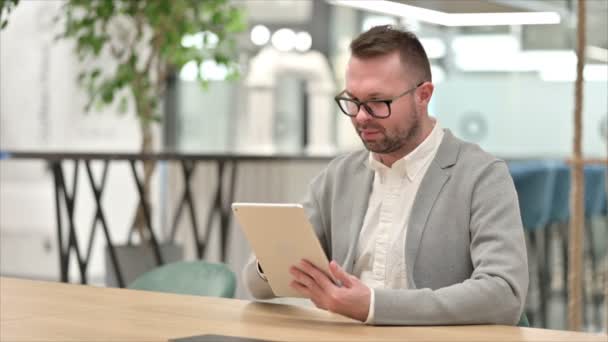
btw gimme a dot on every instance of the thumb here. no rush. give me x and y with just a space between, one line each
340 274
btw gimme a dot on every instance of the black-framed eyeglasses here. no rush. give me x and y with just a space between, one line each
380 109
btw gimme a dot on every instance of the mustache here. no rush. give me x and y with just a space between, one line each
369 126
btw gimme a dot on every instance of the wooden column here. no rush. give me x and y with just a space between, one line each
577 210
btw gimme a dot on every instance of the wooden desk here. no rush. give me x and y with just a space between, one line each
44 311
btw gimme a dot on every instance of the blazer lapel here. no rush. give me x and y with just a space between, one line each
430 187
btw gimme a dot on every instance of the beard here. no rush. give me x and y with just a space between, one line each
388 142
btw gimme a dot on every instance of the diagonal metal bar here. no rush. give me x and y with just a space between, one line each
95 189
72 238
100 217
63 263
146 209
188 170
221 205
226 210
215 206
176 217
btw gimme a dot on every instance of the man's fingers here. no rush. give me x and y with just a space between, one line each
340 274
319 277
300 288
305 280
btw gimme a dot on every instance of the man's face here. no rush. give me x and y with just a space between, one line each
382 77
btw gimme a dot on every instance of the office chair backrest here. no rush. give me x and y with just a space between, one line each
523 321
595 189
560 205
197 278
534 181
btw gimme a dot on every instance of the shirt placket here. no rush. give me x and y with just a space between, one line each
390 191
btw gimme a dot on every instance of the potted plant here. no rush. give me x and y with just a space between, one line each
140 44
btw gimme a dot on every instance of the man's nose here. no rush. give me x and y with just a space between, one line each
363 115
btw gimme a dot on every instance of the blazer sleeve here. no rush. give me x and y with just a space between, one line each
496 291
257 286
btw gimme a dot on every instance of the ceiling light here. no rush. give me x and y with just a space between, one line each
303 41
284 39
532 60
200 40
508 18
260 35
189 72
471 46
451 19
211 70
208 70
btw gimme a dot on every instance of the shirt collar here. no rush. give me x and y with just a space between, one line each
410 165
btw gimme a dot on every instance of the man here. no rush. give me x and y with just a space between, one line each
426 227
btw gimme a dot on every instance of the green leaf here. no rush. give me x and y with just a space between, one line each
99 105
234 74
123 105
106 8
81 76
107 95
95 73
156 118
97 44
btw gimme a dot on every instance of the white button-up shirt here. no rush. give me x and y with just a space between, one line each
380 260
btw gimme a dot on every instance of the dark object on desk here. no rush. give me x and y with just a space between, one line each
218 338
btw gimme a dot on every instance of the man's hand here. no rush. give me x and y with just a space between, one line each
351 299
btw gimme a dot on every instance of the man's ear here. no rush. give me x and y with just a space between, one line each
424 93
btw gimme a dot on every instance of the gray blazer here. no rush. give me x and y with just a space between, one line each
465 248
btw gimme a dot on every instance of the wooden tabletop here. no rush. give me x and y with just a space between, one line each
46 311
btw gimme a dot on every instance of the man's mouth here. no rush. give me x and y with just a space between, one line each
369 134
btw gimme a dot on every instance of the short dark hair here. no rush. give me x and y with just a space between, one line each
386 39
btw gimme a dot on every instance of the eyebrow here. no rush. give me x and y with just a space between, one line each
372 95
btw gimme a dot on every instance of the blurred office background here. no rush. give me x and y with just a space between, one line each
505 85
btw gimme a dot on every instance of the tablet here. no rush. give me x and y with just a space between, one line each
280 236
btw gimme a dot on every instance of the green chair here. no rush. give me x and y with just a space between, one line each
198 278
523 321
